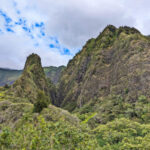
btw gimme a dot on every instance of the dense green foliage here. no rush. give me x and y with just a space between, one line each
123 134
41 102
36 133
41 135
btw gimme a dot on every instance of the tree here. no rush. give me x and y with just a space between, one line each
41 102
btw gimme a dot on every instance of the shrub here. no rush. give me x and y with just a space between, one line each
5 138
142 98
41 102
6 86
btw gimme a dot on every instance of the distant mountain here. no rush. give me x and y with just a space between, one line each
8 76
54 73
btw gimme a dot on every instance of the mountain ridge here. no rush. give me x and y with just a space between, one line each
115 63
9 76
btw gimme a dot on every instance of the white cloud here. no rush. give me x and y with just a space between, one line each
11 48
73 22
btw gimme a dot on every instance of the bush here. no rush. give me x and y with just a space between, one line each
142 98
6 86
41 102
5 138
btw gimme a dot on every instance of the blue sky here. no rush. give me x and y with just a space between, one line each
27 34
57 30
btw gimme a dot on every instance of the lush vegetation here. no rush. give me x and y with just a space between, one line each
115 106
42 135
36 133
105 88
41 102
123 134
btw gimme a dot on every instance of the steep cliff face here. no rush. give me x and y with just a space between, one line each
117 62
32 79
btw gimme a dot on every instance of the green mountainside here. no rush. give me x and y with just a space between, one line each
101 101
115 62
8 76
109 76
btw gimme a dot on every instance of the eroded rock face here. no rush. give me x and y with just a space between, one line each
116 62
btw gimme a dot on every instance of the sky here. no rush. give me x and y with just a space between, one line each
58 29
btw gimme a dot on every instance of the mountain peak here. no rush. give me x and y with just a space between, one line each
32 60
110 34
110 28
33 65
128 30
125 29
32 79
